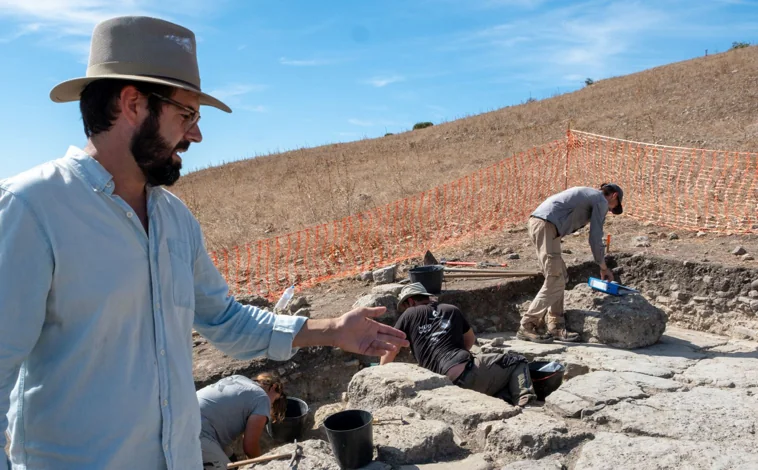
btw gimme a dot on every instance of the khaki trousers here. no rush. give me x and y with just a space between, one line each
549 300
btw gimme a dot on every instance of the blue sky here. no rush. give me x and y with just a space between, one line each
306 73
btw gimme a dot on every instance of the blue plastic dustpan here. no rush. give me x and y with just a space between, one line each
611 288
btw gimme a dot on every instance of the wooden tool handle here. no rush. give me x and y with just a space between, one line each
265 458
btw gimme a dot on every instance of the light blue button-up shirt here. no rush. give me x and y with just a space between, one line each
96 319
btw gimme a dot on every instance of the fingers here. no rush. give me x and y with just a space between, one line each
380 348
394 340
383 329
372 312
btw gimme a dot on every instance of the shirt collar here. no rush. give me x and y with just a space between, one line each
91 170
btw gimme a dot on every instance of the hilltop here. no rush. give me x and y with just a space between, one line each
707 102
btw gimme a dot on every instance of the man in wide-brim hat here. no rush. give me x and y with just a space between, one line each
105 274
441 341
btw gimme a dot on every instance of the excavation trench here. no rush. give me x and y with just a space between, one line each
695 296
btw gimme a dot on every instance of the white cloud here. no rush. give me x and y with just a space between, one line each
306 62
254 109
69 17
384 81
235 90
589 38
22 31
62 22
359 122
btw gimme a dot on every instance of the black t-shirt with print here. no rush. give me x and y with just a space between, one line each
435 332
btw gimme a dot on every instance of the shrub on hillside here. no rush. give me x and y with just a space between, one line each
422 125
589 82
388 133
740 45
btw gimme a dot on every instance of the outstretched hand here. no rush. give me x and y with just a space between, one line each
358 332
606 274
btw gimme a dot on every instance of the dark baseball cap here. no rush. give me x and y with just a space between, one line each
616 189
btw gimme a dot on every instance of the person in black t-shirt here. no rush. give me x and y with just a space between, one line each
441 341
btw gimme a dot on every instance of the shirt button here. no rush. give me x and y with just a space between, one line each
109 184
129 214
163 352
165 446
165 402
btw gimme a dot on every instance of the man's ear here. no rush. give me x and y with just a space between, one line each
130 104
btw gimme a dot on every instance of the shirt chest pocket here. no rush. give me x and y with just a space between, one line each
182 276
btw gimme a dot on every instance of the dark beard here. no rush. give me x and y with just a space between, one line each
154 156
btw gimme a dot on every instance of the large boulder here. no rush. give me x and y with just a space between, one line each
628 321
401 437
531 434
620 452
391 384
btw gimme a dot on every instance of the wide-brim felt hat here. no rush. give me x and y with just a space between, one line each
143 49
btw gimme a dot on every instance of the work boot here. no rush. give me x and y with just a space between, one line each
562 334
529 333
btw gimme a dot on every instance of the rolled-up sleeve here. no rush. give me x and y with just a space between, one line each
597 220
26 270
241 331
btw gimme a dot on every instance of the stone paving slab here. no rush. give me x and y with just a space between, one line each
694 339
590 390
660 360
391 384
419 441
651 384
736 348
619 452
461 408
526 348
472 462
702 414
542 464
724 372
531 434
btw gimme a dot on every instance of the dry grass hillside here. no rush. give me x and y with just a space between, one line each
709 102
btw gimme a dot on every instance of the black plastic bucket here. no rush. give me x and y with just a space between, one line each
293 424
545 383
351 435
429 276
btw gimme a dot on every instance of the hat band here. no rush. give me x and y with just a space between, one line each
135 68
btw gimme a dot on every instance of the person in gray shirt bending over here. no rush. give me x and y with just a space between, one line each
234 406
560 215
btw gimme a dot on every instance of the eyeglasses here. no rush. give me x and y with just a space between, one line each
192 116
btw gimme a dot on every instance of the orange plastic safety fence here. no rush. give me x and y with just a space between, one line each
488 200
676 187
683 188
